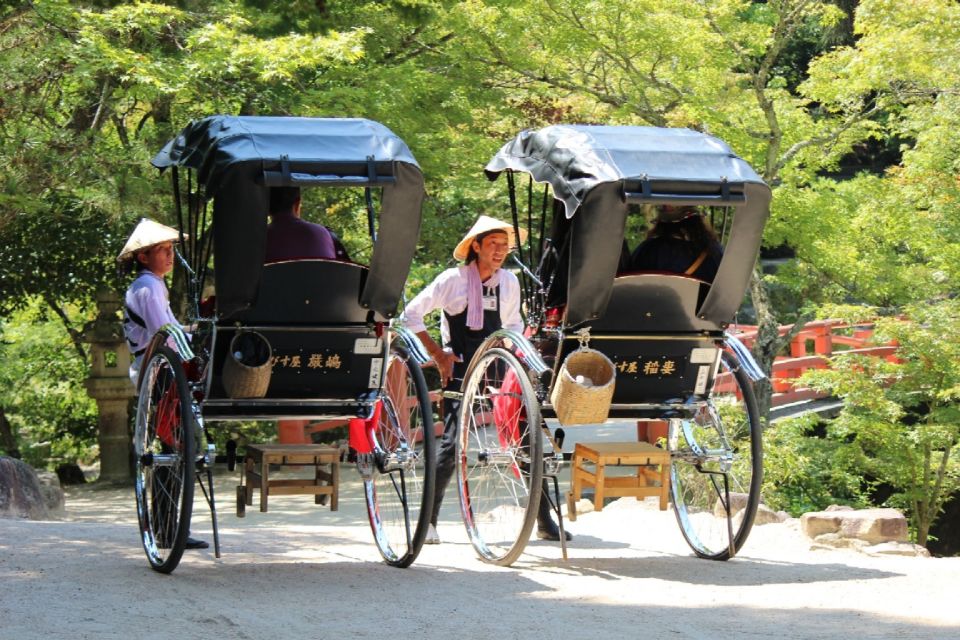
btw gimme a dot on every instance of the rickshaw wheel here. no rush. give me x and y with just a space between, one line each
717 466
165 450
499 456
399 494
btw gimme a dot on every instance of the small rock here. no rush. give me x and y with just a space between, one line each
584 506
52 491
837 541
897 549
766 515
20 494
71 473
839 507
738 501
871 525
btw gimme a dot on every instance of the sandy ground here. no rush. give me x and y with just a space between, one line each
304 571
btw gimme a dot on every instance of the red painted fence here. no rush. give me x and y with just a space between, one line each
811 349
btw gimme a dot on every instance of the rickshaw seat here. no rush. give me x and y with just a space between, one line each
314 292
654 302
323 342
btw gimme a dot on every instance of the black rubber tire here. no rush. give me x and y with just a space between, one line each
165 450
717 453
499 468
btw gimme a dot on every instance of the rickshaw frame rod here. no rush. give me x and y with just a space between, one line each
159 460
213 507
302 329
725 501
611 336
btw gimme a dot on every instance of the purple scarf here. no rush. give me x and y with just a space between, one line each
475 295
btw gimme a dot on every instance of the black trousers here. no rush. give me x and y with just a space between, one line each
447 454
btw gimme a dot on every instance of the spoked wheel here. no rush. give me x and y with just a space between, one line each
165 448
499 457
400 491
717 466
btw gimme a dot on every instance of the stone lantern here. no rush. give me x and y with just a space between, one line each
109 384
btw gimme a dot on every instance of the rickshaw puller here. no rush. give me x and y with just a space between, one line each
477 298
149 253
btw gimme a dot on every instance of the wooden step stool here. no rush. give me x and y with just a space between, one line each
324 483
642 455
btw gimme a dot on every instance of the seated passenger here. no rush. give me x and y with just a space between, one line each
681 241
290 238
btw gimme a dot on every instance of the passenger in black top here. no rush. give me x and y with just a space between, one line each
681 241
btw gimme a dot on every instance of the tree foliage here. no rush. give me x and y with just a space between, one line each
900 423
800 88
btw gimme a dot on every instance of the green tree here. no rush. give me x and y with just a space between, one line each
901 420
723 67
45 413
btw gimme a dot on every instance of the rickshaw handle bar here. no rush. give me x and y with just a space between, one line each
700 199
749 364
527 271
277 179
412 343
530 356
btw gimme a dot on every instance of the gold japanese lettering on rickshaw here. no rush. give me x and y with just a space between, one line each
666 367
313 361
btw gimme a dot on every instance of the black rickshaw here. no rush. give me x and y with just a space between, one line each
308 338
663 333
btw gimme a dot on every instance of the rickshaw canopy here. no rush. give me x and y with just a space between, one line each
238 158
597 171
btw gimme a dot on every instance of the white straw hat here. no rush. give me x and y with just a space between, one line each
483 225
147 234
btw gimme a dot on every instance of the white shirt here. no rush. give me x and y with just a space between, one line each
148 298
448 292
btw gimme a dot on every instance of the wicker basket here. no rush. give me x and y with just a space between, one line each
586 401
247 368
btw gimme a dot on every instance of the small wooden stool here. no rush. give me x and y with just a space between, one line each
642 455
325 482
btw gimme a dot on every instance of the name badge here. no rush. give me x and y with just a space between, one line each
489 303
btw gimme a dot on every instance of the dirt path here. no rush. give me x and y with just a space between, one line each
302 571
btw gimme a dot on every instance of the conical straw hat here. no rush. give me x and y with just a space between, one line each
147 234
483 225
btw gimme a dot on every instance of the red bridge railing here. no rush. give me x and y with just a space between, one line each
811 348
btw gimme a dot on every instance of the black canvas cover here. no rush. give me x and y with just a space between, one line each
596 170
237 159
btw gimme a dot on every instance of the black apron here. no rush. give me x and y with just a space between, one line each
464 341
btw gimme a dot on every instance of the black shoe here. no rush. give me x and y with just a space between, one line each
550 531
193 543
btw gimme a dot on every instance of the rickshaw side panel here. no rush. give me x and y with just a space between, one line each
663 352
655 369
310 363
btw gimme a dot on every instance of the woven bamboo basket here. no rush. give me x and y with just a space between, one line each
247 368
586 401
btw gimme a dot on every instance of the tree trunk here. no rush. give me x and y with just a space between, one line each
767 345
8 440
